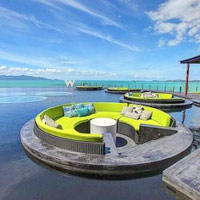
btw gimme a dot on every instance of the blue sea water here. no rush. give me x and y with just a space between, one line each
22 179
152 85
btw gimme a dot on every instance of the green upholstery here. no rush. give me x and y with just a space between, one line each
68 130
103 110
109 107
136 123
161 96
118 88
158 116
74 121
165 96
69 124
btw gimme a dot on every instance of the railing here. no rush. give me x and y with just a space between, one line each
152 86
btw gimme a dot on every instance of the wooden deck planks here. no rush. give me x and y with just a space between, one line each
130 159
183 178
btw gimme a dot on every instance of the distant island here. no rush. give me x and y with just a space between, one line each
22 77
179 80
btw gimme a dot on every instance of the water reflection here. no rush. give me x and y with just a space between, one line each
183 116
22 179
190 117
71 174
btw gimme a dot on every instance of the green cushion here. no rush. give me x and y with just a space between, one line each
109 107
112 115
68 129
67 122
136 123
159 116
118 88
104 110
161 96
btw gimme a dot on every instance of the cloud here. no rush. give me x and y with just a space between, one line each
161 43
130 4
81 7
52 72
50 62
66 60
51 67
86 30
2 67
17 20
179 18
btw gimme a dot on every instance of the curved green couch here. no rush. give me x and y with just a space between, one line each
121 89
162 98
103 109
118 88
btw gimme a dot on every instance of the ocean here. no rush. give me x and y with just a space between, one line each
176 86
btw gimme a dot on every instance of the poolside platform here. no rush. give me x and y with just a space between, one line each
126 161
88 88
118 91
183 178
161 106
194 97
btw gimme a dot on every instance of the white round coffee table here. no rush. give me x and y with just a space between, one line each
104 125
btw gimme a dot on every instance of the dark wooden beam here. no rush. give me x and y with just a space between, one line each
187 79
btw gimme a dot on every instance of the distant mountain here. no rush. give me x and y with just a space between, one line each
180 80
22 77
176 80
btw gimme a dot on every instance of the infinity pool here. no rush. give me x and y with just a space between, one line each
22 179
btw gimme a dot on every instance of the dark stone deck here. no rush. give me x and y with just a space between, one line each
130 160
162 106
183 178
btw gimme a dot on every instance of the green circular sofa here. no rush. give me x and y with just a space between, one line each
121 90
118 88
75 133
86 87
163 98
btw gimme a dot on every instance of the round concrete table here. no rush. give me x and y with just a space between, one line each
104 125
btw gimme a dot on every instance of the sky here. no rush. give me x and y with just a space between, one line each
99 39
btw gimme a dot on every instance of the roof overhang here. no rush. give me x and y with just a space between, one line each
193 60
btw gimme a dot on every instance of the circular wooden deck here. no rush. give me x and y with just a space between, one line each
162 106
122 91
130 160
89 88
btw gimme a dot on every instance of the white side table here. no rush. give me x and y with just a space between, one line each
104 125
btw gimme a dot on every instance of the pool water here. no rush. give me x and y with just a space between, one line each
22 179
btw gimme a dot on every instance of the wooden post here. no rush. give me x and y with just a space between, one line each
180 89
187 78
